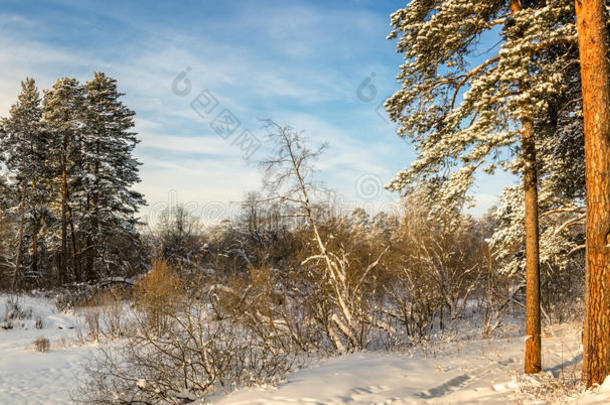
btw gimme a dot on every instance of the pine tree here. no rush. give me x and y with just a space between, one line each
64 119
595 73
108 202
560 146
23 148
461 117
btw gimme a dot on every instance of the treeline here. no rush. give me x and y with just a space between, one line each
68 211
433 266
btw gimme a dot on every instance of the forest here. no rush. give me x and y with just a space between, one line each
182 309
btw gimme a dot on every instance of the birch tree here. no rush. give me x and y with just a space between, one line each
288 177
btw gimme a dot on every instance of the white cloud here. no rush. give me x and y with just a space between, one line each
287 77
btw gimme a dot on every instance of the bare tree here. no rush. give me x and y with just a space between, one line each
289 178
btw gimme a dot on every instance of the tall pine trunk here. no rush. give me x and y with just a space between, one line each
64 223
533 357
35 250
595 71
93 241
73 258
35 233
17 274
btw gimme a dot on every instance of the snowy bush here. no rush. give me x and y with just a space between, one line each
194 354
14 310
42 344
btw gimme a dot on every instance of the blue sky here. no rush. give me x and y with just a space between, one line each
323 67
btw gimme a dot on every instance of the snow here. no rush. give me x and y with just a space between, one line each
29 377
475 371
454 370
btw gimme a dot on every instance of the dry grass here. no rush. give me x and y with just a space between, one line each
103 315
42 344
159 294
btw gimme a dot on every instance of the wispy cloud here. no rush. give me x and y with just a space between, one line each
298 63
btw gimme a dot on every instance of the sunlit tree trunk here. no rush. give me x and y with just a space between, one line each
593 48
17 274
533 357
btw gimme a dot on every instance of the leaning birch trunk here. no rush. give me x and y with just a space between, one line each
332 269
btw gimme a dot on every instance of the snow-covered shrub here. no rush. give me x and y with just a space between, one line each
72 296
113 319
42 344
193 355
545 387
436 267
14 311
269 309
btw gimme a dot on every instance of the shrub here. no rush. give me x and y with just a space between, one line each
42 344
113 324
14 310
199 355
158 295
92 321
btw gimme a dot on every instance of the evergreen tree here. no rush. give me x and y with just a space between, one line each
461 117
23 147
560 146
64 108
108 203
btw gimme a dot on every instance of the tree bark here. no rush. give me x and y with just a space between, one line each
17 274
35 251
35 232
595 71
75 263
64 223
533 358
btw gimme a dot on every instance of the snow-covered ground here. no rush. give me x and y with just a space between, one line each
30 377
476 371
456 371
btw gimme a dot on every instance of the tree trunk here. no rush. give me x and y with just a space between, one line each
35 251
533 358
64 222
17 274
35 232
92 242
595 71
75 263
